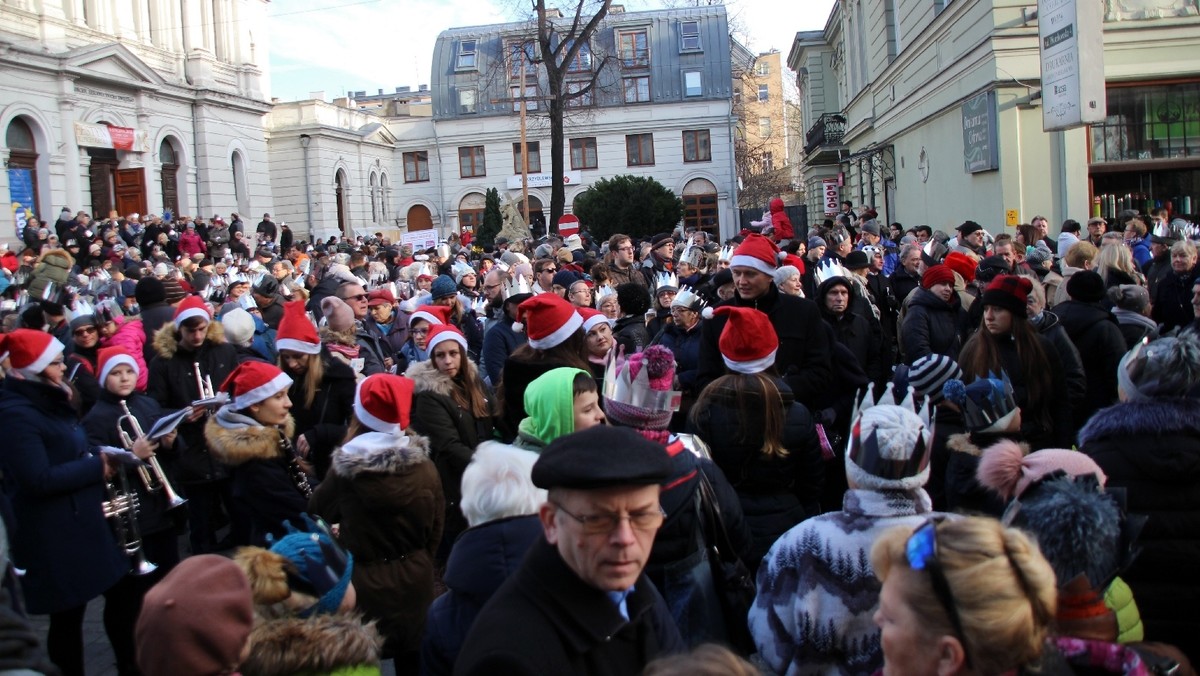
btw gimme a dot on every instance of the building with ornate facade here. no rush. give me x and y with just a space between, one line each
888 86
134 106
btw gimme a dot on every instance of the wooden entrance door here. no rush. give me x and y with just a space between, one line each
419 218
130 185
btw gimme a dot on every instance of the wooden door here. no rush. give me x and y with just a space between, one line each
419 218
130 187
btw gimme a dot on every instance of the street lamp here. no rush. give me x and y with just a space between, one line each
305 139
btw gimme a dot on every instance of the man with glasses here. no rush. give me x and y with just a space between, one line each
621 268
580 294
543 275
661 258
579 603
377 355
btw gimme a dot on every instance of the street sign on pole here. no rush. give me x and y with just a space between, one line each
1071 46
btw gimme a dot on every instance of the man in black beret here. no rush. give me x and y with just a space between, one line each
661 258
970 239
579 603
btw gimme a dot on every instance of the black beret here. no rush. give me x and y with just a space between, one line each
969 227
1086 286
601 457
857 260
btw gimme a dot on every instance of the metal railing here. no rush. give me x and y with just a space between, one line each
828 130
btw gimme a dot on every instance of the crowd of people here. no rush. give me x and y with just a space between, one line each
838 449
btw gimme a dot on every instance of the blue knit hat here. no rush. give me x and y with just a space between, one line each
322 567
442 287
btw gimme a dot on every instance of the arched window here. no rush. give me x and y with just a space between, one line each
385 194
470 212
22 164
241 189
700 206
374 197
169 176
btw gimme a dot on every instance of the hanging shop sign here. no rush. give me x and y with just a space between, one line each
1070 35
829 188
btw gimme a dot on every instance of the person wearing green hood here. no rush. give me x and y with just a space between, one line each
559 402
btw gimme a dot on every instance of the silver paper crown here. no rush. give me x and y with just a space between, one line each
692 255
479 307
828 269
516 287
82 309
636 391
665 280
726 253
688 298
603 291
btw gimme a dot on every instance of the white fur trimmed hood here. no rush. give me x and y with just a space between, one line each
235 446
381 453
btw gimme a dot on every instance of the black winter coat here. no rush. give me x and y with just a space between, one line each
776 492
1098 338
932 326
483 557
545 620
859 335
1050 327
631 333
1151 448
324 423
902 282
803 359
1172 299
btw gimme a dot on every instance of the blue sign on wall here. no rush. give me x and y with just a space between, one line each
20 189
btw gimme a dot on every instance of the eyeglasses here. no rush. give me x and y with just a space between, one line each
921 551
584 290
85 330
361 296
600 524
418 332
544 270
625 248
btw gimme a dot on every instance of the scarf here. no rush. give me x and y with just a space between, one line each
348 351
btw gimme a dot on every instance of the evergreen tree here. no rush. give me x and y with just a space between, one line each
492 221
637 206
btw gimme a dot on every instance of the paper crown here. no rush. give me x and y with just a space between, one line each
828 269
479 306
987 404
688 298
602 291
665 281
516 287
726 253
692 255
643 380
879 459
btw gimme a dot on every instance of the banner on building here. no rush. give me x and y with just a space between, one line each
20 189
1071 34
419 240
108 136
829 188
981 149
545 180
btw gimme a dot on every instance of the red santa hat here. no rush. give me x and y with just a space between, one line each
110 358
548 319
382 402
434 314
192 306
591 318
29 351
443 332
758 252
748 342
296 331
253 382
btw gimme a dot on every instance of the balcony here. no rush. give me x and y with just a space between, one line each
828 131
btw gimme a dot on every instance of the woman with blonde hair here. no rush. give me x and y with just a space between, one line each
1115 265
962 596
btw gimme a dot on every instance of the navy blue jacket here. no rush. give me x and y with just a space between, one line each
499 342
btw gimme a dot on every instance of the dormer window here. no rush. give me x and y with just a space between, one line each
689 36
466 55
633 48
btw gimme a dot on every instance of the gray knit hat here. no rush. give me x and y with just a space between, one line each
1167 367
928 374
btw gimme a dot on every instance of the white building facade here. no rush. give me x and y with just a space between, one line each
134 106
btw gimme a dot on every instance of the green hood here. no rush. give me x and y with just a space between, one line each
550 403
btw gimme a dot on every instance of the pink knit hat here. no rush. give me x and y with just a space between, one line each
1006 470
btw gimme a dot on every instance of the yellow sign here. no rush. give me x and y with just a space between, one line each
1010 218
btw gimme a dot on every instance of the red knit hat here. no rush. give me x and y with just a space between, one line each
382 402
938 274
963 264
108 358
1008 292
548 319
434 314
748 342
296 331
591 318
29 351
443 332
192 306
253 382
758 252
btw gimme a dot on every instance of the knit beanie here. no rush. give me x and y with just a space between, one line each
637 393
1129 297
338 315
963 264
1008 292
1006 470
1167 367
1038 254
83 320
928 374
239 327
815 242
889 449
322 569
938 274
149 290
173 291
1086 286
564 278
443 287
196 620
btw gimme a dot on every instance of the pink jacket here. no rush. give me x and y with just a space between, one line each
191 243
130 336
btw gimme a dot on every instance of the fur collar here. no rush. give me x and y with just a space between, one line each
379 452
57 257
426 377
318 645
1148 418
166 343
328 335
241 445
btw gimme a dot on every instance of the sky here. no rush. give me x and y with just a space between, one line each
335 46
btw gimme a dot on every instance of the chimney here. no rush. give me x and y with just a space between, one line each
403 90
380 92
616 9
424 88
553 13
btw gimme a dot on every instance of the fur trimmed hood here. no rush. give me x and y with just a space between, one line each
379 452
319 645
59 258
166 343
241 445
1147 418
328 335
426 377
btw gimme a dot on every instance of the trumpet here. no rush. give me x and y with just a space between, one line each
153 477
122 507
203 382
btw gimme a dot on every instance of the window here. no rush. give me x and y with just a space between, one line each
416 166
689 36
762 68
466 101
764 93
374 197
633 49
700 206
639 150
535 157
637 89
582 63
582 100
466 55
522 54
737 95
385 192
470 162
697 146
583 153
691 83
764 127
768 162
530 98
